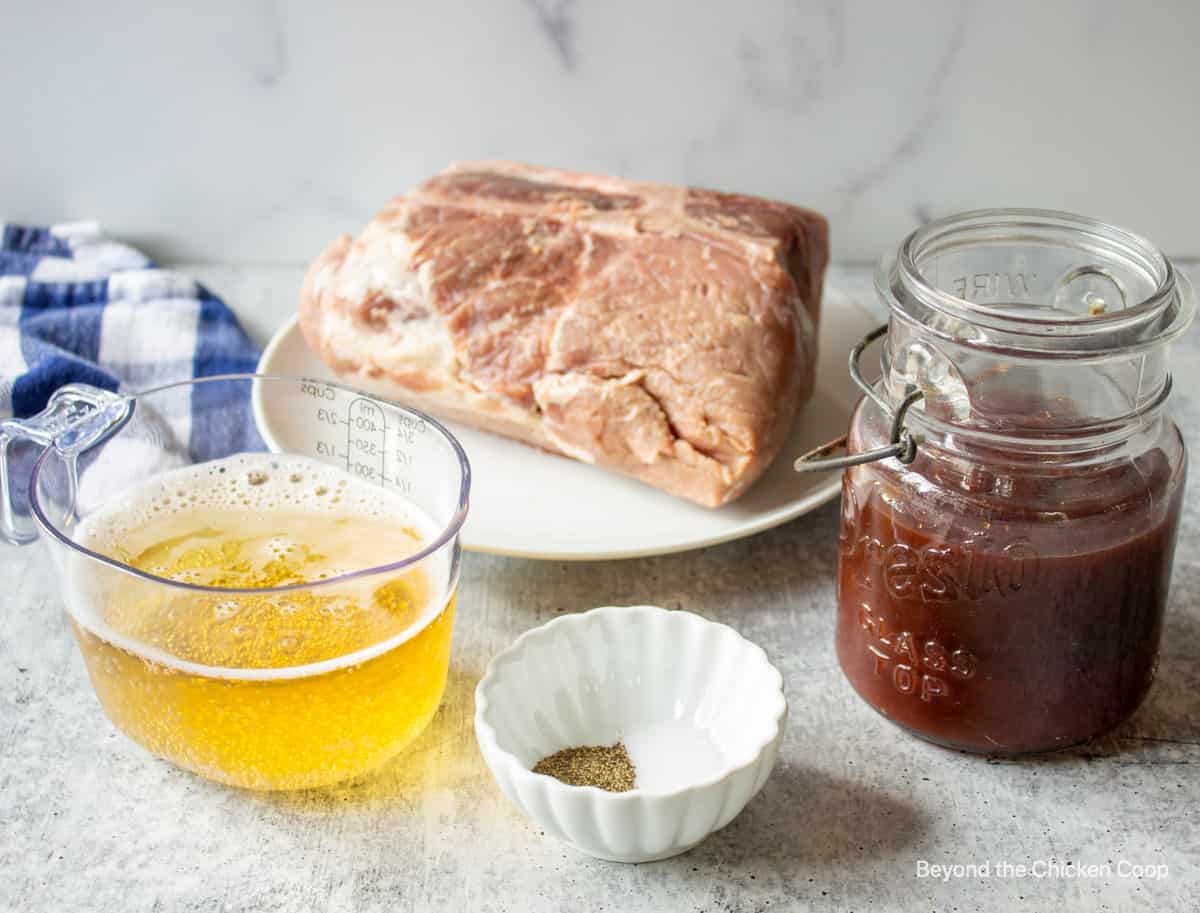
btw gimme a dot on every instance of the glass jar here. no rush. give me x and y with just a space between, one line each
1003 590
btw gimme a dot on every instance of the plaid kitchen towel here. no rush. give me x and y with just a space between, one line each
77 307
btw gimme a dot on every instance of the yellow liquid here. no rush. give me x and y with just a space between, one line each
253 689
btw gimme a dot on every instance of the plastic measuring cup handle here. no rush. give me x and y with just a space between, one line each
76 417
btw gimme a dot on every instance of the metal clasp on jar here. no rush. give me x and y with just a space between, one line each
904 442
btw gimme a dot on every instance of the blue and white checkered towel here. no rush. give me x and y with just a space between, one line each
76 307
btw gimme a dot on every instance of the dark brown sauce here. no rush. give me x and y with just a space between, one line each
1006 625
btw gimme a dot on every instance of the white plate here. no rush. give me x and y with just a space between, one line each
531 504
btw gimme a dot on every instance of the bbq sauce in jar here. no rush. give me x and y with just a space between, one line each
990 623
1004 591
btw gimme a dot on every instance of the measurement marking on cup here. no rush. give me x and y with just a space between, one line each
329 449
366 441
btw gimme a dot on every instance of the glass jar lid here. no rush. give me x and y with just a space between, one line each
1034 283
1029 327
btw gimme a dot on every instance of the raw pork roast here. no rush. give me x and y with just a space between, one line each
665 332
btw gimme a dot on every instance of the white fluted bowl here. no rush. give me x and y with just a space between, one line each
700 709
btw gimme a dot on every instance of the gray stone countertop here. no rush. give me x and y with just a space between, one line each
90 821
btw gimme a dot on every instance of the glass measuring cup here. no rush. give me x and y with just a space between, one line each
262 726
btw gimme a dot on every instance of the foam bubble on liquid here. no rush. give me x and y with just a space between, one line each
250 482
257 482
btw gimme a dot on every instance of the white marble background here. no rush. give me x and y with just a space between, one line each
248 132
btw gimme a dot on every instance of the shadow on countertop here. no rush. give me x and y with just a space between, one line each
811 818
790 566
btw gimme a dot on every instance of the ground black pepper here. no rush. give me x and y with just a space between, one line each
605 766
